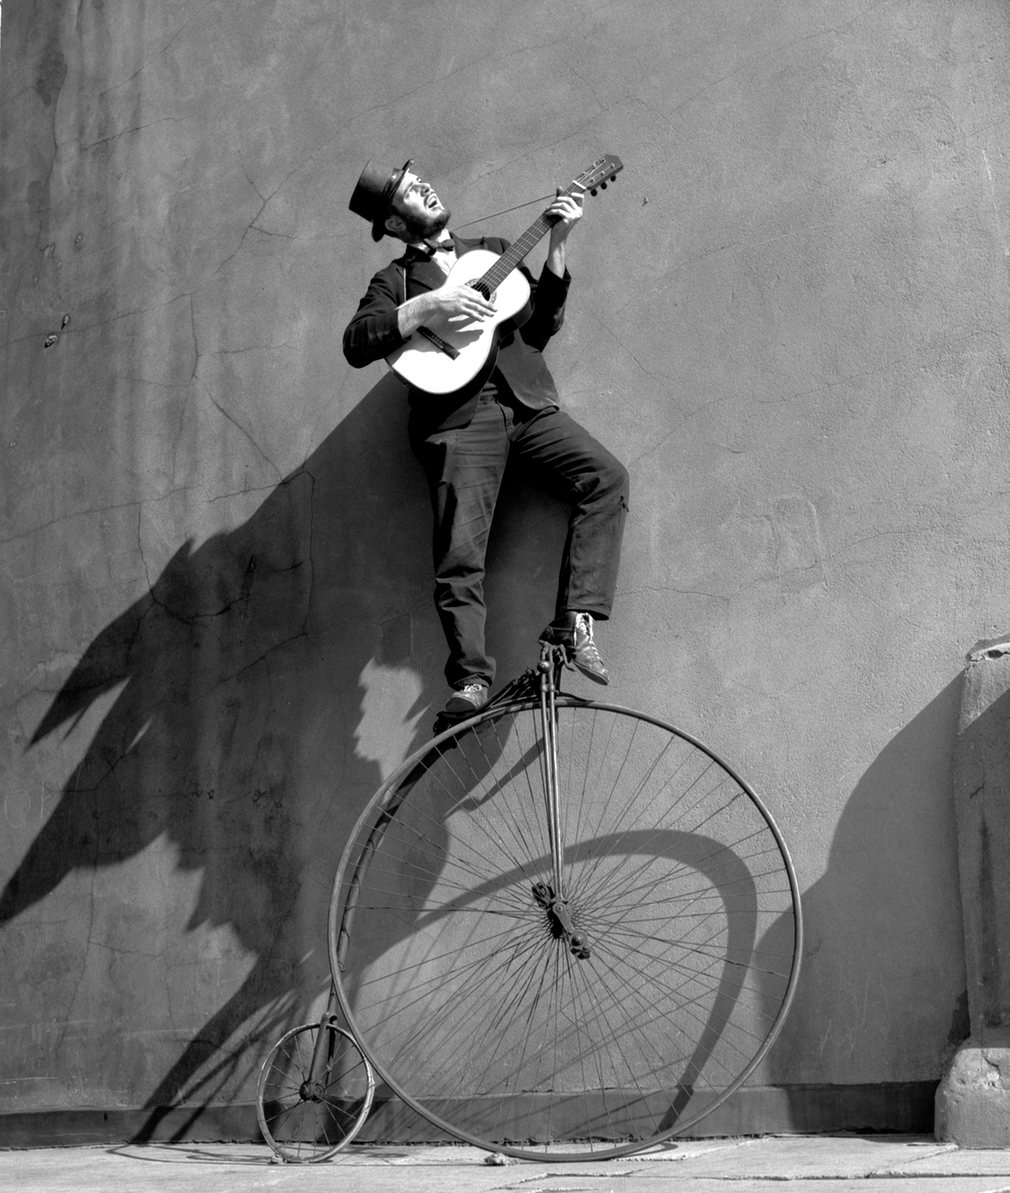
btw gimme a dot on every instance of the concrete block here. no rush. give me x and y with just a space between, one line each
973 1100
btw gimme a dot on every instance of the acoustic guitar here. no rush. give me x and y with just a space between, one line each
443 357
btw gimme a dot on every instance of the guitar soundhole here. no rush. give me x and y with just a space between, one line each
482 288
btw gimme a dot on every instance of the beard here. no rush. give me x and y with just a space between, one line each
424 227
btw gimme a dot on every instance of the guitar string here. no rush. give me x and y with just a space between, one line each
508 210
494 214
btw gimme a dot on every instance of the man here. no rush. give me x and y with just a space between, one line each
464 439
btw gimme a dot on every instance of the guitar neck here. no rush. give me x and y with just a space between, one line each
522 247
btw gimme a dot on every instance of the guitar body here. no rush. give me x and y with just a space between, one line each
428 366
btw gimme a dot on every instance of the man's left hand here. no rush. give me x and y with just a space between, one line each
566 210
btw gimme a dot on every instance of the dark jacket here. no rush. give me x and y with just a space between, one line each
372 335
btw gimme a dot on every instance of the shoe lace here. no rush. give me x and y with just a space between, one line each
584 627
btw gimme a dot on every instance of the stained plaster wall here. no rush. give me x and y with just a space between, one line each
789 319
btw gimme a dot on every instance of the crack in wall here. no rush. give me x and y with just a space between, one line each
123 132
778 49
147 61
91 512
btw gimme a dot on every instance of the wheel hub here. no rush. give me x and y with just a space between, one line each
559 919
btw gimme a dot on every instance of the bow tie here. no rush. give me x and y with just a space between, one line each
429 250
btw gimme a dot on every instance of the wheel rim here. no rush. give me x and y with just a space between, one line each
307 1119
464 986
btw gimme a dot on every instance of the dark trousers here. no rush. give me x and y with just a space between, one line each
465 467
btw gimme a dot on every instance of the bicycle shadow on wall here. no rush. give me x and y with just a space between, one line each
849 914
260 680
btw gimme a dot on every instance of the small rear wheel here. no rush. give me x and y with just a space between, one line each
304 1118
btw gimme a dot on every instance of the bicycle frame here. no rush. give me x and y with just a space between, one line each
552 899
320 1053
549 761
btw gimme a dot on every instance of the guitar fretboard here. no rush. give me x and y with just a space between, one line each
520 248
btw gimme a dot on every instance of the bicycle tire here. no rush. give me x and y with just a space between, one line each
477 1013
305 1122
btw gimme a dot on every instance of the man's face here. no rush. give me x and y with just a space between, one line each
420 210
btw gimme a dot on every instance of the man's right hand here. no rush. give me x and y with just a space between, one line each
451 301
455 299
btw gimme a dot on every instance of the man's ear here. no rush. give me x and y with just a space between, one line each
395 225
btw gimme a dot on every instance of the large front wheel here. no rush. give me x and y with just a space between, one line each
597 1025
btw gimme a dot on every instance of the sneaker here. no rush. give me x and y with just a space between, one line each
467 699
574 631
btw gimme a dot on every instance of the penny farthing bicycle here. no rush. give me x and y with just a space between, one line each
563 929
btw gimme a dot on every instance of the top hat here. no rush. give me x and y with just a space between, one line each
373 195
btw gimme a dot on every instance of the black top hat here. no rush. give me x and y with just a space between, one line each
373 195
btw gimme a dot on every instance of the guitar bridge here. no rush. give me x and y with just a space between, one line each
440 344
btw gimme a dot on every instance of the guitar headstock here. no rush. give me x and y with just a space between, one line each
602 171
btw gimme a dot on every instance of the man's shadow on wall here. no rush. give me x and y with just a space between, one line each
237 731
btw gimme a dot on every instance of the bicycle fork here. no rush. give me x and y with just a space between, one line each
314 1087
552 897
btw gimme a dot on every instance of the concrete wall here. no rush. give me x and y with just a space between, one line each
788 318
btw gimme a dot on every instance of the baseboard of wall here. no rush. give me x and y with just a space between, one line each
902 1107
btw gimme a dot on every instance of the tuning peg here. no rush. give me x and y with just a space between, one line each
603 186
593 192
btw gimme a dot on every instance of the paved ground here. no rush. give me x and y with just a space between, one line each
799 1164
